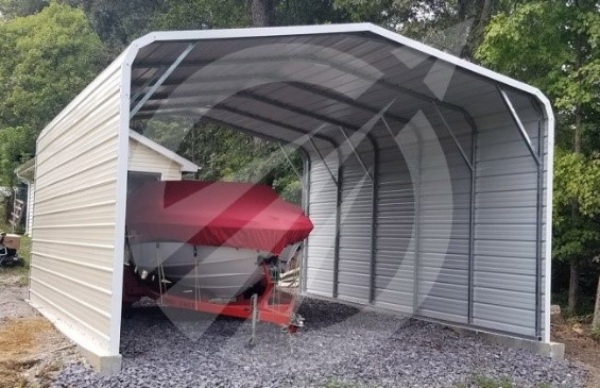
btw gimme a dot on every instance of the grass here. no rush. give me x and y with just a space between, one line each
339 384
480 381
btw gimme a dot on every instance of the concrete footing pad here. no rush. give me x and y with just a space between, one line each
554 350
105 365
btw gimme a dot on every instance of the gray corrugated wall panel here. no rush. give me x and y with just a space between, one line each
504 230
441 274
322 211
356 221
394 270
443 285
506 201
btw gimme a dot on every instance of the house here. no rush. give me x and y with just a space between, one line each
148 160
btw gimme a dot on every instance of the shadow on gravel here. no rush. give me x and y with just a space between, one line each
320 314
219 328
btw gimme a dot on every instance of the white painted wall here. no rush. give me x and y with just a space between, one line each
144 159
75 224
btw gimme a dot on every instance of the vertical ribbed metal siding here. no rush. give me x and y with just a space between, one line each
323 214
505 233
394 266
435 228
443 219
75 215
423 207
354 270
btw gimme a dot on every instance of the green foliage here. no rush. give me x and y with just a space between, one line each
206 14
16 146
482 381
577 177
203 14
118 22
336 383
554 45
47 59
576 208
16 8
375 11
526 43
305 12
226 154
491 382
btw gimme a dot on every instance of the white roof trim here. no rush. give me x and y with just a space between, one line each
186 165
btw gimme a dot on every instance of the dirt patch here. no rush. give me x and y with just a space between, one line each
17 349
580 347
31 349
13 303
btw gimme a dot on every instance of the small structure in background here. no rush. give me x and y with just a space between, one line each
23 197
148 160
9 244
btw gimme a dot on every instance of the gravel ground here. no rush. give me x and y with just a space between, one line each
340 346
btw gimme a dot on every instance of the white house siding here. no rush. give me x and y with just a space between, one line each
75 216
143 159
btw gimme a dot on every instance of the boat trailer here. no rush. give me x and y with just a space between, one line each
271 305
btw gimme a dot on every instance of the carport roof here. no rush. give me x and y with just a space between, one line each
287 81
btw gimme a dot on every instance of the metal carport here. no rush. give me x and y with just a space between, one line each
428 177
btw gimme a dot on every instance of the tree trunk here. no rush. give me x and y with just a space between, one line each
261 12
480 12
573 287
596 321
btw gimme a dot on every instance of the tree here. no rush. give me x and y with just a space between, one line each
47 59
456 26
17 8
262 13
306 12
203 14
554 45
119 22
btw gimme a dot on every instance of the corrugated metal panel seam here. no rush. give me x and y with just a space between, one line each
374 215
472 216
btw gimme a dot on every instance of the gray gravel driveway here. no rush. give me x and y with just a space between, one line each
340 346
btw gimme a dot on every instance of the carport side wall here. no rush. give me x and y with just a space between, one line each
505 223
394 171
73 271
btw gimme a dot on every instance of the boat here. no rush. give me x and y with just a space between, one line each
215 238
